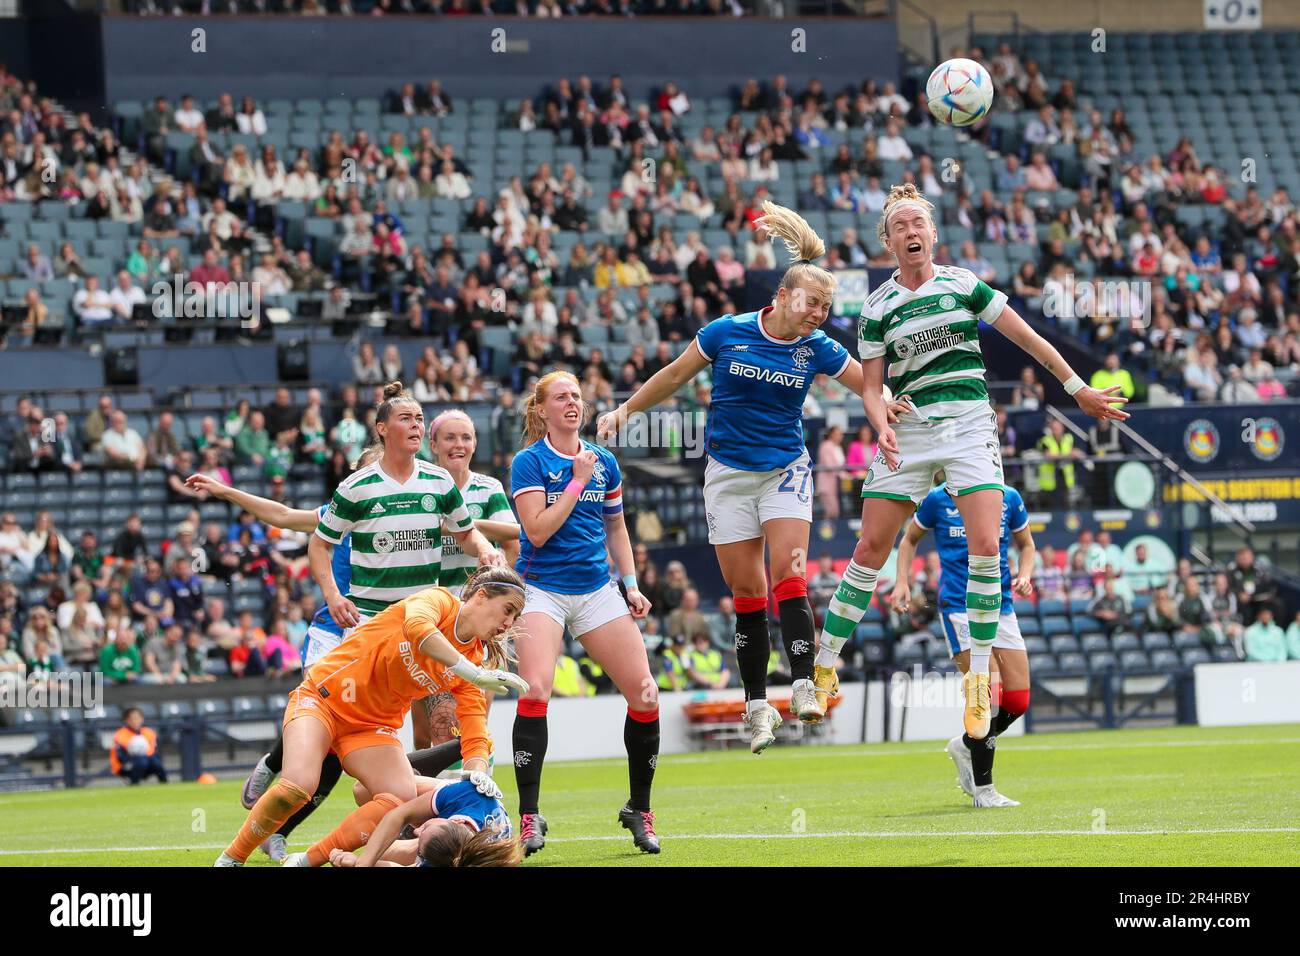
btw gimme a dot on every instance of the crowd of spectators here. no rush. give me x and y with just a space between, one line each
543 9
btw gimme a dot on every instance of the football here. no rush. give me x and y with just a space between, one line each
139 746
959 92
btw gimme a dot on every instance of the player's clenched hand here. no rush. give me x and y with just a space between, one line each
344 858
900 598
1022 585
607 425
583 465
1101 404
344 612
499 682
491 558
887 443
482 783
638 604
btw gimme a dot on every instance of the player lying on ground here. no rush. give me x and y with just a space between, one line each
925 319
758 483
1010 698
455 824
569 495
354 700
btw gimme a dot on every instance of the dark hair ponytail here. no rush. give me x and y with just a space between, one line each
495 582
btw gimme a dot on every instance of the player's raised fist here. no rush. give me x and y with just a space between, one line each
583 465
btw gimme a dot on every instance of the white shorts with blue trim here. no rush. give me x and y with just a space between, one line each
956 628
318 643
579 613
737 503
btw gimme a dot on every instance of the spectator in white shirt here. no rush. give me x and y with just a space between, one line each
188 118
451 184
763 168
270 278
301 184
123 447
886 102
1249 332
891 146
92 304
126 296
249 119
1041 130
268 177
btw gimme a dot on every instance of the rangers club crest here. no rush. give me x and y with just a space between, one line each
598 473
801 356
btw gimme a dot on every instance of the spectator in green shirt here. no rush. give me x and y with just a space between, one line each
704 663
253 443
1112 374
120 660
1265 641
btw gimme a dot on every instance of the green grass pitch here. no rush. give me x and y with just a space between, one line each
1175 796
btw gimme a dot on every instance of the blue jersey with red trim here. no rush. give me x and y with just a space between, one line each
759 385
574 560
938 513
463 800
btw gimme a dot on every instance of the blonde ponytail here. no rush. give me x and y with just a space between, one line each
801 242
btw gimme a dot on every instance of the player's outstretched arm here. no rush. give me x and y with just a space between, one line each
1098 404
663 385
265 510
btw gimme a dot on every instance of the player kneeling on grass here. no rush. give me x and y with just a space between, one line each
938 513
354 700
456 824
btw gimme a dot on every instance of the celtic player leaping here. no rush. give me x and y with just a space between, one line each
925 319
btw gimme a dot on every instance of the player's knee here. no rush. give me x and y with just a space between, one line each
360 794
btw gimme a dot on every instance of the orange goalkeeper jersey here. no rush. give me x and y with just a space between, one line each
374 676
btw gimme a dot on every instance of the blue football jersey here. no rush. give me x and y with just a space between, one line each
759 385
463 800
342 564
938 513
574 560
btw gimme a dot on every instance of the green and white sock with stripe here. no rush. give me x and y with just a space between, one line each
845 611
983 607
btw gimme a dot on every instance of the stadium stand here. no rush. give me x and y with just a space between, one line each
463 244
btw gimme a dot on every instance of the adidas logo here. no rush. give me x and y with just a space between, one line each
378 509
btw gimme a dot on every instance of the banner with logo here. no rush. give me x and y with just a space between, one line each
1207 439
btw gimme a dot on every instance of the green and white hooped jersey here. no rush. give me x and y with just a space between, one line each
486 499
396 531
930 338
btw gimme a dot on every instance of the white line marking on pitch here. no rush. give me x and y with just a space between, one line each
834 835
911 749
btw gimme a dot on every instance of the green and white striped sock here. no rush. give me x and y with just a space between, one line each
983 607
845 611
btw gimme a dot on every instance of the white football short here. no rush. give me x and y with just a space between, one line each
579 613
737 503
956 628
967 450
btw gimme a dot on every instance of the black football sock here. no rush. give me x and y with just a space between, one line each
1001 721
275 759
330 771
753 648
434 760
799 636
981 757
529 740
641 738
